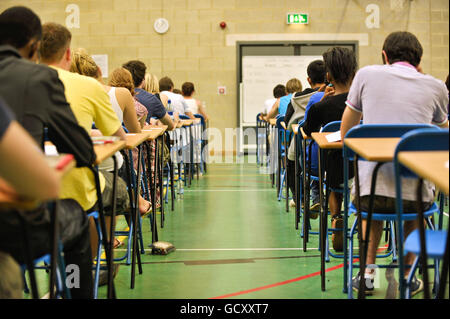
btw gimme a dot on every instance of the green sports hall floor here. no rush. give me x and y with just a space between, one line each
233 239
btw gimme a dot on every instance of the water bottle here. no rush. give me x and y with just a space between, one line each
169 106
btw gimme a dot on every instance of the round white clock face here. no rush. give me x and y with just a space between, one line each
161 25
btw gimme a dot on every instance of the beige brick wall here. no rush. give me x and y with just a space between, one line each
194 49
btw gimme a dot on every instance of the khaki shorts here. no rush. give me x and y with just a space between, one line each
122 198
386 205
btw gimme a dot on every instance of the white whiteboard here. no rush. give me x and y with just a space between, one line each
260 74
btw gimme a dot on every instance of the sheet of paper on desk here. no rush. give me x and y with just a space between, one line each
334 137
50 150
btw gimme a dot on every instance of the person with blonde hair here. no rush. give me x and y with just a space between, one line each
121 100
280 106
151 85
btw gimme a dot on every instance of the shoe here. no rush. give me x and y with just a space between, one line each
337 238
315 207
368 282
314 210
118 243
103 276
148 211
292 203
415 286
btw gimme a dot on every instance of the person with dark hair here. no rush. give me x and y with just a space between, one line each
278 91
280 106
35 95
340 66
188 90
297 106
154 106
296 112
176 101
394 93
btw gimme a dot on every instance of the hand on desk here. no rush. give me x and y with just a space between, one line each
96 133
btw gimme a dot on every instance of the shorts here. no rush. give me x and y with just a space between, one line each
386 205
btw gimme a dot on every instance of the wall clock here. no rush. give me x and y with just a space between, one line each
161 25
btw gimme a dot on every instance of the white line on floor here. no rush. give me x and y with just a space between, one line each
229 249
229 190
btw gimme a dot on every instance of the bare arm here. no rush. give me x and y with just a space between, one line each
23 166
164 99
121 133
202 111
350 118
273 111
191 115
126 103
167 120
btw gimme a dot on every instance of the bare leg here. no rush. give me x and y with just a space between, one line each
94 235
337 238
374 240
335 203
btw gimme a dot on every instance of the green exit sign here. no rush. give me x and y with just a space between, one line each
297 18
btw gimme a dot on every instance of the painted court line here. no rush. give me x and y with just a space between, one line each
314 274
228 249
228 190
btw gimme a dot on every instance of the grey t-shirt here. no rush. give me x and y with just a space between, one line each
396 94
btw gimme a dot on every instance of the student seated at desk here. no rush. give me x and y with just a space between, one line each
36 97
278 92
90 104
177 102
196 107
121 99
20 159
151 85
394 93
154 106
122 103
296 111
340 65
121 78
280 106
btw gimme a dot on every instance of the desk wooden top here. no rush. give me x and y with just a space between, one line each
273 122
154 131
295 128
430 165
323 143
136 139
104 151
186 122
154 128
374 149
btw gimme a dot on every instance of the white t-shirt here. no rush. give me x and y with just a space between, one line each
268 105
396 94
177 102
115 104
192 104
